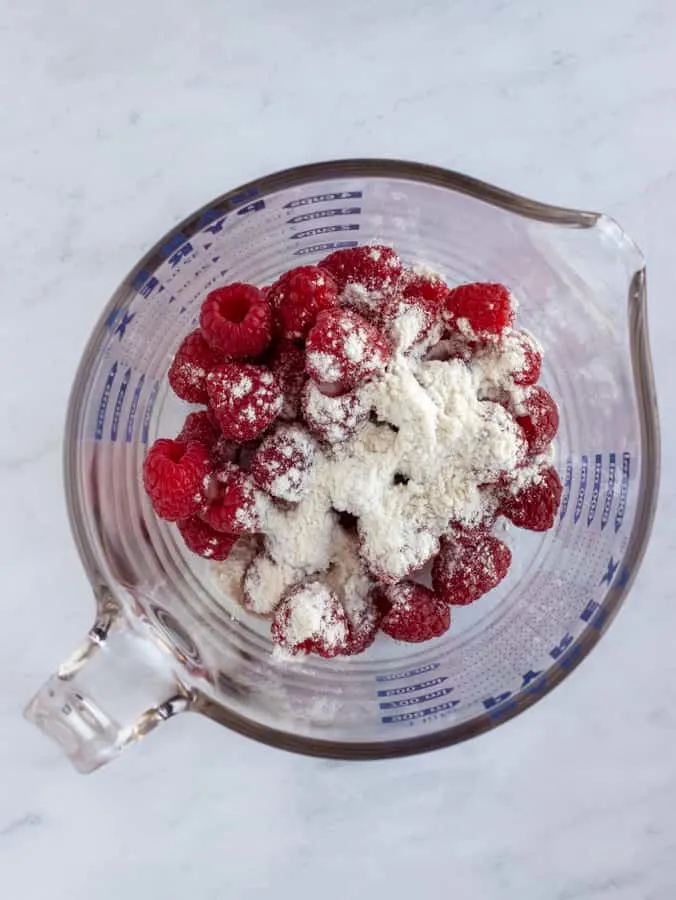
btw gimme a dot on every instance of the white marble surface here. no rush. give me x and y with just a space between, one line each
118 119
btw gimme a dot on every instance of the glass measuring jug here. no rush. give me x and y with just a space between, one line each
165 638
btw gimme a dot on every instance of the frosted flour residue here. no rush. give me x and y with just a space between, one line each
411 450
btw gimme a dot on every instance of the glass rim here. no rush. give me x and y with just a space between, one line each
647 413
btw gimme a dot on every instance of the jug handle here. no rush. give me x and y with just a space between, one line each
66 711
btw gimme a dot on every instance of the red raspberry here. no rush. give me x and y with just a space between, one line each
311 619
364 626
461 531
389 563
237 320
288 367
343 350
283 462
333 419
200 426
175 477
539 419
410 314
204 540
430 291
264 584
192 363
414 613
534 507
468 565
237 505
297 297
453 347
529 372
244 398
374 267
480 309
244 453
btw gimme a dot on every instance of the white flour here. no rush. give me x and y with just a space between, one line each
439 442
310 614
334 418
360 299
264 583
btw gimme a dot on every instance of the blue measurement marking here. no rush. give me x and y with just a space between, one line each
326 229
112 318
569 659
610 572
568 480
103 403
412 701
144 282
589 611
325 214
125 322
596 489
251 207
172 244
323 198
419 713
624 490
610 490
215 226
526 680
208 217
503 710
562 646
149 411
409 688
118 405
322 248
183 252
132 409
397 676
150 286
529 676
490 702
140 279
600 619
243 196
582 490
622 579
537 687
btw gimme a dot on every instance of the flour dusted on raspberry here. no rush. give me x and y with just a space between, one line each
503 367
347 574
437 418
467 567
363 301
311 619
302 537
411 315
229 575
245 399
283 462
343 350
412 420
333 419
265 581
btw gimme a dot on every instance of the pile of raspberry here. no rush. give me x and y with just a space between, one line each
278 374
